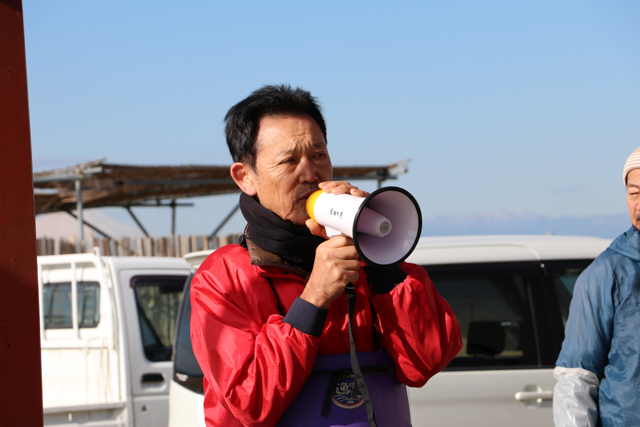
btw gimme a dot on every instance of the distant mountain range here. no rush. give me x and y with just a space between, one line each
512 222
518 222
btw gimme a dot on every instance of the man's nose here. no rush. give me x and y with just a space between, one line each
307 171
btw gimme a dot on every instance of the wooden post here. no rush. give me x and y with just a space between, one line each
20 369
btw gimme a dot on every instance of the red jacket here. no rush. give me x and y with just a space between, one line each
255 364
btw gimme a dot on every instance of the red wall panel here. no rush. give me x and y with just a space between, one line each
20 371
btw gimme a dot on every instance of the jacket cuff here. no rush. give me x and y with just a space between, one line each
383 279
306 317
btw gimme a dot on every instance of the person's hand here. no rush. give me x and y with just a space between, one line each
335 266
336 263
341 187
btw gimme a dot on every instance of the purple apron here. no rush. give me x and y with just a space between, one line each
326 399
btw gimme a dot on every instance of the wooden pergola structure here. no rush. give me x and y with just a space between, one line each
99 184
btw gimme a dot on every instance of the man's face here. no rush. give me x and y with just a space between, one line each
291 160
633 196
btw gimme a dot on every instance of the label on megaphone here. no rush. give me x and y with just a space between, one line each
338 212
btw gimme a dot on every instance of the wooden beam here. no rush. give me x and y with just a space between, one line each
20 371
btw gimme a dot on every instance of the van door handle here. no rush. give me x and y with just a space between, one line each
152 378
534 395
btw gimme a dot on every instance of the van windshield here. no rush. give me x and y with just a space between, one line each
187 372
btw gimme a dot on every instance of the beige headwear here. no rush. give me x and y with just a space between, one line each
633 162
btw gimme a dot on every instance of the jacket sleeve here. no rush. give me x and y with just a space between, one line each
574 398
418 327
580 365
254 362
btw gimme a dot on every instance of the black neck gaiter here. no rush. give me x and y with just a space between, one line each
294 243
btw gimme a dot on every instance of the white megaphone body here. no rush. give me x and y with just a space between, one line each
385 226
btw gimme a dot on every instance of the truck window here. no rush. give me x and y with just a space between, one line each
158 300
57 300
492 308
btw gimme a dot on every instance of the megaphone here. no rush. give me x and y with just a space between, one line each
385 226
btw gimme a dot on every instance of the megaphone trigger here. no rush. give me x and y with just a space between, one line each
332 232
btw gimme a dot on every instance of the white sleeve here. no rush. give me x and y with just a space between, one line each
575 397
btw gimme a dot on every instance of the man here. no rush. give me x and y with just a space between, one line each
598 369
269 320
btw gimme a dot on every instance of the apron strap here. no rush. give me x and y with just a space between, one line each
359 379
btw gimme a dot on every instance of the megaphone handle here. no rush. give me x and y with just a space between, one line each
359 383
332 232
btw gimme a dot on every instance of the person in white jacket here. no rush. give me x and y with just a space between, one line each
598 369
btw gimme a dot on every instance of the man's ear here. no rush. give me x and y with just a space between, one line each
244 176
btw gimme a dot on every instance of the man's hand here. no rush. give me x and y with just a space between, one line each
335 266
341 187
336 263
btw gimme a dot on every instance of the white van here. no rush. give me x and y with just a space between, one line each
511 296
107 326
186 392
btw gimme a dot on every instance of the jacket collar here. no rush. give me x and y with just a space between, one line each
262 258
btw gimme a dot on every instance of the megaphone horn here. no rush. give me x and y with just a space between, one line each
385 226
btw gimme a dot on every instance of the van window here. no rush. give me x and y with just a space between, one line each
56 302
564 276
158 300
492 308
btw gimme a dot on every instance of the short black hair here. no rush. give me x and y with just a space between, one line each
242 119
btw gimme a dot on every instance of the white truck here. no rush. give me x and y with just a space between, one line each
107 326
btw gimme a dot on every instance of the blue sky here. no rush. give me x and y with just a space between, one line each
502 106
